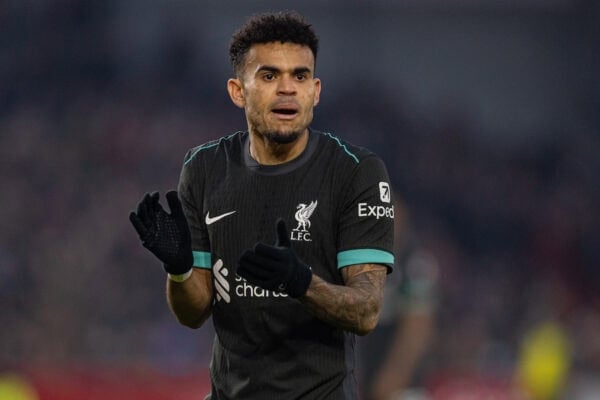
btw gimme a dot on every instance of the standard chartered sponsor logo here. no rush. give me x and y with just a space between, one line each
241 287
366 210
221 284
245 289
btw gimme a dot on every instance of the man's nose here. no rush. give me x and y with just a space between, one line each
287 86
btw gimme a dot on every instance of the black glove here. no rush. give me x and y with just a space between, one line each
276 267
167 236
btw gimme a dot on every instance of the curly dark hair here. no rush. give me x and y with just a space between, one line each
284 27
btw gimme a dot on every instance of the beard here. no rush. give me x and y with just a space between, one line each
281 137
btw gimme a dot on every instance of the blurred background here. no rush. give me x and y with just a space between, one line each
487 113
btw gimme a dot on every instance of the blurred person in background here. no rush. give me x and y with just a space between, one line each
285 314
393 356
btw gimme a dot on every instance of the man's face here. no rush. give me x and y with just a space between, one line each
278 90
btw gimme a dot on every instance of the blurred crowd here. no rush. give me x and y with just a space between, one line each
514 229
515 235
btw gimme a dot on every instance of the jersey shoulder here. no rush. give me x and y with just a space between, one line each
345 149
224 145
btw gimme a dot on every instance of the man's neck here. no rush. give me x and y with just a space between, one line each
265 151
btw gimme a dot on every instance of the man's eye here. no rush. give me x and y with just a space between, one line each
301 77
269 77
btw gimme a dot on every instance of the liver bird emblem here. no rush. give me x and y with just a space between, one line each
303 214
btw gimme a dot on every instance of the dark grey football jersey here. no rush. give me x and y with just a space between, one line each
336 201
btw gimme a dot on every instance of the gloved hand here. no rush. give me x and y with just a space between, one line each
167 236
276 267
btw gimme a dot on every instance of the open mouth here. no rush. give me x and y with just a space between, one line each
285 112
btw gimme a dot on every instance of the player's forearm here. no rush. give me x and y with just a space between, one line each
191 300
354 307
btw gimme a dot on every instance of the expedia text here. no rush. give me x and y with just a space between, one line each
365 210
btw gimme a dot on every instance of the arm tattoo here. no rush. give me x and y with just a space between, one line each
354 306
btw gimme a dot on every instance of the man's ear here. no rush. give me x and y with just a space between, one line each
236 92
317 91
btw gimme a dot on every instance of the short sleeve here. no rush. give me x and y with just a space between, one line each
191 194
366 223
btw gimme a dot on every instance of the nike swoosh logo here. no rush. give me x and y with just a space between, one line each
211 220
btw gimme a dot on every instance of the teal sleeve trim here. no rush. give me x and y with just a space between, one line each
364 256
343 146
202 259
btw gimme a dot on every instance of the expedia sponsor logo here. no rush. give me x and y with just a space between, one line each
385 194
366 210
